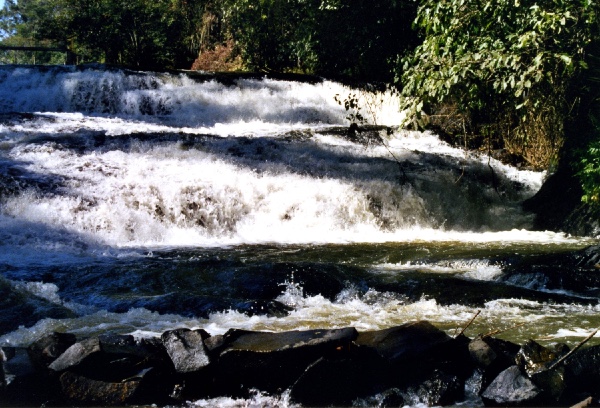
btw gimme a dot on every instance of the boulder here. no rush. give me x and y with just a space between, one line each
511 388
533 357
272 362
76 354
492 356
186 349
415 349
82 390
482 353
582 373
438 390
340 378
48 348
24 383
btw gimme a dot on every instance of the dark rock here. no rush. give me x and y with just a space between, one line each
272 362
482 353
533 357
416 349
2 373
186 349
17 362
82 390
340 378
47 349
439 389
389 398
492 356
552 382
270 308
582 372
24 384
214 343
404 342
76 354
31 390
511 388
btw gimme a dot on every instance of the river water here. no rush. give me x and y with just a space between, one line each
136 203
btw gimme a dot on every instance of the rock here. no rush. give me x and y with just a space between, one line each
186 349
47 349
76 354
482 353
492 356
511 388
552 382
405 342
340 378
582 372
438 390
272 362
533 357
415 349
24 383
2 373
82 390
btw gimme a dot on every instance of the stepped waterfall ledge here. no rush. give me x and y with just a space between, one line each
147 206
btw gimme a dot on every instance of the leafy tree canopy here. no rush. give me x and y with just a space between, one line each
509 61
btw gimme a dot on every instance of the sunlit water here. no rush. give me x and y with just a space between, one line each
141 202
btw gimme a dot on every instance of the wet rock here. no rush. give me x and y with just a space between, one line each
511 388
24 384
272 362
2 373
83 390
438 390
47 349
552 382
533 357
76 354
582 372
186 349
404 342
492 356
416 349
482 353
340 378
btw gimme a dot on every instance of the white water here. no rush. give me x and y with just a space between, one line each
323 189
110 165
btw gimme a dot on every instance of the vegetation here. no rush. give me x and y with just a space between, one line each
507 66
358 40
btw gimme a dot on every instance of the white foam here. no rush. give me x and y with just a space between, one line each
472 269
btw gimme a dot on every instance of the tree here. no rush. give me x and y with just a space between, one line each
507 63
144 34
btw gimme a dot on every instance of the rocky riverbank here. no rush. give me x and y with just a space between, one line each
318 367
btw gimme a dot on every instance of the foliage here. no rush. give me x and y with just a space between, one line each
136 33
358 39
507 63
585 137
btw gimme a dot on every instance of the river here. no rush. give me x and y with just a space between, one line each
136 202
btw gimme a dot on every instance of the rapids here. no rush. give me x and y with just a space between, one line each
137 202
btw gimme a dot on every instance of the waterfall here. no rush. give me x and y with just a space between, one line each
130 159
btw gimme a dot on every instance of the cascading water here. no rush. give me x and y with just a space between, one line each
136 202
